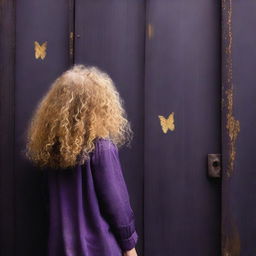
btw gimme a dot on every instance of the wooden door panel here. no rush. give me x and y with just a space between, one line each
7 108
39 21
182 205
172 66
110 35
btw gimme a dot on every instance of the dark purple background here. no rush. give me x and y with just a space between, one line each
176 69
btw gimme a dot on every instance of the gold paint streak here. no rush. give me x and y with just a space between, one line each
232 125
40 50
233 128
150 31
71 38
167 123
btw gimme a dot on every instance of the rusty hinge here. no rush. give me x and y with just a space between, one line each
214 165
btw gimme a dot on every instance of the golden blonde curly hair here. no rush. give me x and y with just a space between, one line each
81 105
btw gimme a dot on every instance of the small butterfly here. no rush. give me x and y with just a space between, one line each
167 123
40 50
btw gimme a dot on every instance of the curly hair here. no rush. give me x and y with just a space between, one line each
81 105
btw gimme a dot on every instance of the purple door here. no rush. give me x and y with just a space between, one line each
24 26
182 204
110 35
185 69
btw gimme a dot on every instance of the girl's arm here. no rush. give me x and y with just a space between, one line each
113 195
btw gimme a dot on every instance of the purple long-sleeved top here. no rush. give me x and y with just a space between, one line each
89 207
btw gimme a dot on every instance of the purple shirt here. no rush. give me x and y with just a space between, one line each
89 207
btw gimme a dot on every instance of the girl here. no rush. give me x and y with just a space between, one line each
73 137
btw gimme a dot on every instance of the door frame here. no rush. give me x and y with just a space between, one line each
7 120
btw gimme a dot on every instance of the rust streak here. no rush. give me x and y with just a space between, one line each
232 125
232 243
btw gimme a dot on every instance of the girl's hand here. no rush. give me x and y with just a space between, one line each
131 252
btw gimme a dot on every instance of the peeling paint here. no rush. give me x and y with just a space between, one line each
232 125
231 244
233 128
231 239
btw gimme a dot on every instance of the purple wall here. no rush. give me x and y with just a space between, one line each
164 56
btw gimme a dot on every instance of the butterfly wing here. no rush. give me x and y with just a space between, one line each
163 123
43 50
37 51
170 122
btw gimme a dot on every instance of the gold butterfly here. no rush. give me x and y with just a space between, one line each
40 50
167 123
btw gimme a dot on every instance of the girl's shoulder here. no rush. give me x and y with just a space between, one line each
104 144
104 148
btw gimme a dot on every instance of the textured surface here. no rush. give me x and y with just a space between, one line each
239 122
182 69
111 36
35 21
182 205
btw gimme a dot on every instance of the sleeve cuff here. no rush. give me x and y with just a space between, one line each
128 243
126 236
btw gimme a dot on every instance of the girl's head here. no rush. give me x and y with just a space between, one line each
81 105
